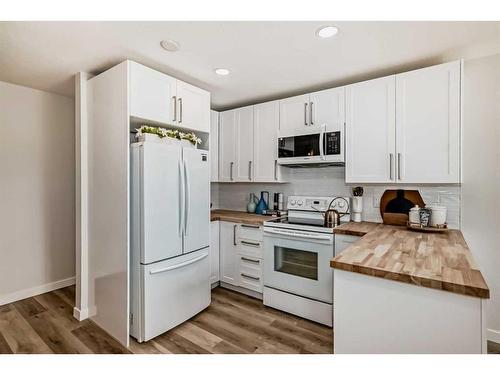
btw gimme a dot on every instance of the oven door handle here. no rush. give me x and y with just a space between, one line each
309 236
322 142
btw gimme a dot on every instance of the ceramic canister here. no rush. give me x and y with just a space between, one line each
438 215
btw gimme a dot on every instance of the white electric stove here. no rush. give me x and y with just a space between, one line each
297 253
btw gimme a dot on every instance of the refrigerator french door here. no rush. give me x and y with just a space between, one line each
170 224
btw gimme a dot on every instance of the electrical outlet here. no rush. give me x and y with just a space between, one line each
376 201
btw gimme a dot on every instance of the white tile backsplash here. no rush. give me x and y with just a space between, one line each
331 181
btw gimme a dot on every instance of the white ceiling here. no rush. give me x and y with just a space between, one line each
267 60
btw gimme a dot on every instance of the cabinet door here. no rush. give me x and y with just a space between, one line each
214 146
227 145
343 241
265 148
228 253
152 94
327 107
294 113
214 252
370 131
428 124
244 144
193 106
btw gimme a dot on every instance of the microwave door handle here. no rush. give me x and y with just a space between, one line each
322 142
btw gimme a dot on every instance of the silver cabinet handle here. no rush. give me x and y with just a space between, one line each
391 157
250 170
255 244
234 235
275 169
311 113
231 170
180 110
174 98
250 277
250 226
399 166
305 114
250 260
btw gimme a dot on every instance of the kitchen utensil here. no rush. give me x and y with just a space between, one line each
414 215
438 215
262 205
420 228
357 208
425 215
252 203
397 212
275 201
357 191
281 202
331 216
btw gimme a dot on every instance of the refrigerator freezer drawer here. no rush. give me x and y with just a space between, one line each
174 290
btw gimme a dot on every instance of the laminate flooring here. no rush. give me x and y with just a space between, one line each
233 323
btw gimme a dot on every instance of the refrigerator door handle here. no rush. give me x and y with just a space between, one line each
187 197
183 264
181 198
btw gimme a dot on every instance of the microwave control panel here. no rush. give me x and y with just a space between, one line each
332 141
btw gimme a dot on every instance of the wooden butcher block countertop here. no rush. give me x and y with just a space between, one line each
433 260
238 217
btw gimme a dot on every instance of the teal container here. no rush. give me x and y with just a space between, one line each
262 205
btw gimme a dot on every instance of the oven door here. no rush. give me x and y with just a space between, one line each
298 262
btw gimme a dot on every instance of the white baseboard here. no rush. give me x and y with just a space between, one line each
31 292
493 335
80 314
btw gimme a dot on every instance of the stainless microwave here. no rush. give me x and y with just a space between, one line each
324 147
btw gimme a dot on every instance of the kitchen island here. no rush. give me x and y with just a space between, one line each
399 291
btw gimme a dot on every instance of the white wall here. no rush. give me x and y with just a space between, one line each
331 181
481 176
37 191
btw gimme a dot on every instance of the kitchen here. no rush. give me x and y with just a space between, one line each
275 226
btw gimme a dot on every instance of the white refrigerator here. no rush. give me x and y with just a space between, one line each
170 226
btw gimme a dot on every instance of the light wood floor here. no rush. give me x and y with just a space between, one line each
233 323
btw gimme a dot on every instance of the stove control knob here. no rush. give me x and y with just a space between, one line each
341 204
300 203
292 202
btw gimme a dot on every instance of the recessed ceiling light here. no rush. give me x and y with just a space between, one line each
327 31
170 45
222 71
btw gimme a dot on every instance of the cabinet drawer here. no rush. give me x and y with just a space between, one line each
250 266
250 232
250 248
250 273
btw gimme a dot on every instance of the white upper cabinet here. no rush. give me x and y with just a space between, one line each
370 131
428 124
152 94
214 146
227 145
265 151
244 144
327 107
294 113
158 97
193 106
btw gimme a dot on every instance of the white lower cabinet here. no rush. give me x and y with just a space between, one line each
214 252
241 255
228 254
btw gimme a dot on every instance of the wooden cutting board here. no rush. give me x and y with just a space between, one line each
399 218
